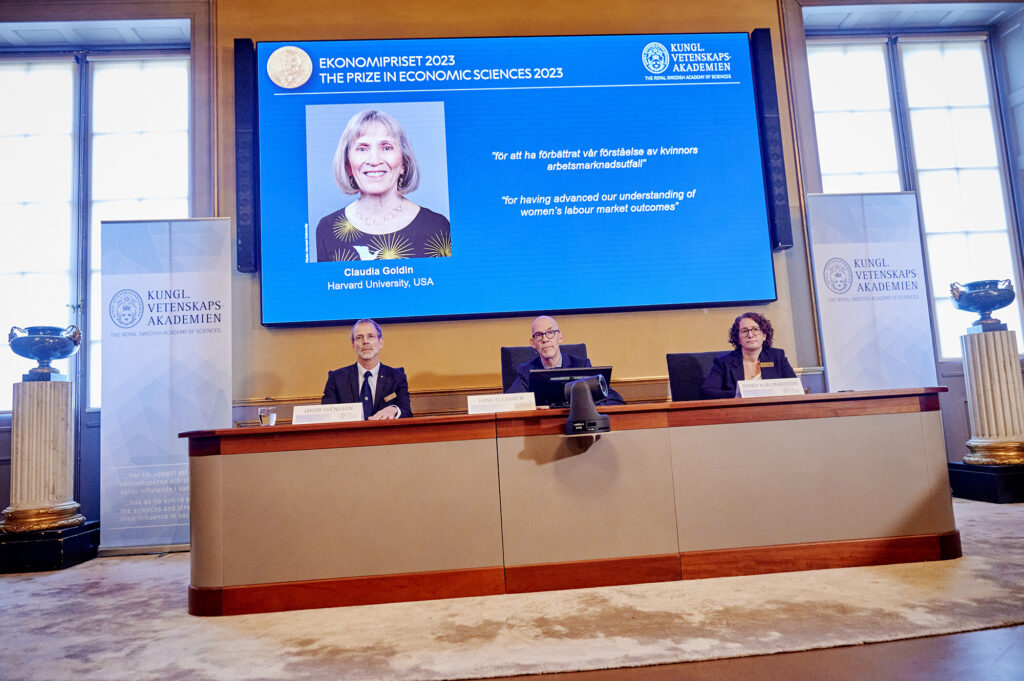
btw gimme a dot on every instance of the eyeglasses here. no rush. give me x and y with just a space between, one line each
360 338
541 335
752 331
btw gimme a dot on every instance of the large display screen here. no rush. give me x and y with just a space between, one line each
446 178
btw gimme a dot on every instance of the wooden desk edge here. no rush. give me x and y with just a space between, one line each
551 421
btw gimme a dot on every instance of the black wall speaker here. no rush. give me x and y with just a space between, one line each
247 219
772 159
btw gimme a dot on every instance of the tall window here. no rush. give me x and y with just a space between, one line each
853 117
917 114
37 200
83 138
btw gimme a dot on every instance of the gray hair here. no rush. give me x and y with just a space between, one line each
355 127
352 333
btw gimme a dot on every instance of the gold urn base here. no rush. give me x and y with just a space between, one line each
995 453
39 519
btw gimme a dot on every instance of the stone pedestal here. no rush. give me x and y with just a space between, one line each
42 459
49 549
995 398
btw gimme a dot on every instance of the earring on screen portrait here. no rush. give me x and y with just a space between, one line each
401 181
352 181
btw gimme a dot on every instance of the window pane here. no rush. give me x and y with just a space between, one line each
852 142
147 95
37 235
43 92
141 159
974 137
848 77
981 193
969 200
35 168
953 137
968 257
853 118
935 126
941 73
139 128
963 205
35 299
135 165
860 183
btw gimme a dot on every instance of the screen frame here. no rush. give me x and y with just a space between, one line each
763 151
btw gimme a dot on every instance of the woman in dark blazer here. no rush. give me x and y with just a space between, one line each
754 357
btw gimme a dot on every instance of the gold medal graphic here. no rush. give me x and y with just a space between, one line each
289 67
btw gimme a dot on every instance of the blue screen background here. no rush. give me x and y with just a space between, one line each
596 93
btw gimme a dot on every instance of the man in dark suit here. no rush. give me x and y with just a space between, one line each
545 337
383 390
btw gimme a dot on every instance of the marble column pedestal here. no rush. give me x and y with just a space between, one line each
42 459
994 470
995 398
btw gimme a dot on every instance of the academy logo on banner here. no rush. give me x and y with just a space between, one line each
872 278
184 311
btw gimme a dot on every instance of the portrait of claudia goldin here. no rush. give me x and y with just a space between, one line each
382 192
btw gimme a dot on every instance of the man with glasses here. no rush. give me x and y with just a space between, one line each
545 337
382 390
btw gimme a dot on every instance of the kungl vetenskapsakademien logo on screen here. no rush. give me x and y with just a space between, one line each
838 275
655 57
126 308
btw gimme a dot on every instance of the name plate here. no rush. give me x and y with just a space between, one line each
769 387
327 413
490 404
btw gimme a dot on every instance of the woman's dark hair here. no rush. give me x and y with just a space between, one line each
766 329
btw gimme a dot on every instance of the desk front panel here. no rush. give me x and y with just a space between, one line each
334 513
810 480
582 498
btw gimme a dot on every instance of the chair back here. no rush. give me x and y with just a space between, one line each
686 373
514 355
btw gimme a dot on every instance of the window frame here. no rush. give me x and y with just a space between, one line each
805 135
899 149
199 14
908 170
80 302
1014 227
797 93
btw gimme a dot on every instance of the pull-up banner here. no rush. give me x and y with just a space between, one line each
166 368
871 290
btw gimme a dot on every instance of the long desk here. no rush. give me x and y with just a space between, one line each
290 517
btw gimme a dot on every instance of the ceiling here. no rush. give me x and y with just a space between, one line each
150 33
908 17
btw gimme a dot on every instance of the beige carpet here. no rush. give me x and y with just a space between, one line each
115 619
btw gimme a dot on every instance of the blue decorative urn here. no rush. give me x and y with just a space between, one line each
44 344
983 297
